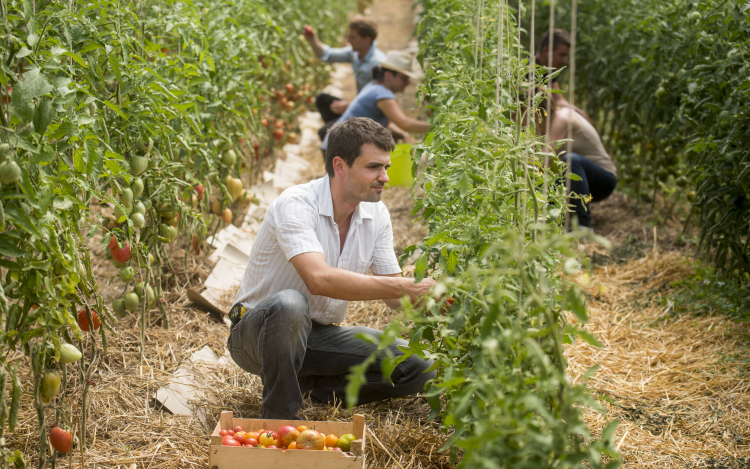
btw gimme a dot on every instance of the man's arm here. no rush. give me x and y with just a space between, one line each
324 52
393 304
324 280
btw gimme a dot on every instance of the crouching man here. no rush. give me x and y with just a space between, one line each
308 261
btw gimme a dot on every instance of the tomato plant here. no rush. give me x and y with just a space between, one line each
146 111
496 245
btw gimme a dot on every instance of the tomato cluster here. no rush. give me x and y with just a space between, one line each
286 437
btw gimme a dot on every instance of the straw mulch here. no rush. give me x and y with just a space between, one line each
678 384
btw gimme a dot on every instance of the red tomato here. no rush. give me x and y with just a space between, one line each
240 437
223 432
336 448
229 441
264 122
310 100
287 434
83 320
290 88
238 429
121 254
278 134
447 305
112 242
272 447
251 442
199 189
310 439
61 440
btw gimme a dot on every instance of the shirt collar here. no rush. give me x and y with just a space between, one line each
325 203
368 56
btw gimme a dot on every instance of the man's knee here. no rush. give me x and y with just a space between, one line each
413 370
292 305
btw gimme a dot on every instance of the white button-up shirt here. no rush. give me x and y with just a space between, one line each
301 220
362 67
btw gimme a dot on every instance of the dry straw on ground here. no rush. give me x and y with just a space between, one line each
672 380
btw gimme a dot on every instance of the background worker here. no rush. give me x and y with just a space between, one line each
589 159
560 58
362 52
308 261
377 100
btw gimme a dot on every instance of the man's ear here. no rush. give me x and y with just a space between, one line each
338 165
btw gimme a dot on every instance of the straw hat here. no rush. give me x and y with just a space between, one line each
401 62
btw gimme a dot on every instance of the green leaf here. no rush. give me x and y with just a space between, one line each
35 84
21 220
464 184
43 115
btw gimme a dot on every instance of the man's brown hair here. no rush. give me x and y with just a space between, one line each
559 37
345 140
364 28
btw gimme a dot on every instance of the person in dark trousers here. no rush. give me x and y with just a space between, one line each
308 261
588 158
362 53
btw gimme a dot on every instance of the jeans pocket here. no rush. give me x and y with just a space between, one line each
243 360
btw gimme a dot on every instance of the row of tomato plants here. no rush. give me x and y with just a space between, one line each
669 86
159 110
498 247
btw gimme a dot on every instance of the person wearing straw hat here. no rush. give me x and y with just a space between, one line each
362 53
377 100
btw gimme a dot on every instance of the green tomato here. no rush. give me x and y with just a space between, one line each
137 187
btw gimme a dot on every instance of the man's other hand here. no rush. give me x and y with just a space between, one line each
339 106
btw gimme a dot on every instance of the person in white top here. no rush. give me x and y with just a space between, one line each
308 261
589 159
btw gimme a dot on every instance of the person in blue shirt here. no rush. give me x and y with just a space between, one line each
377 100
362 53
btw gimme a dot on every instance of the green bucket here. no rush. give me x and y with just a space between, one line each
399 174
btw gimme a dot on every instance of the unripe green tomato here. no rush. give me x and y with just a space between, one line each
132 300
126 273
151 259
10 172
150 295
126 198
92 109
138 288
139 208
139 221
229 157
4 151
138 164
117 263
69 353
119 216
148 204
98 86
137 187
50 386
118 306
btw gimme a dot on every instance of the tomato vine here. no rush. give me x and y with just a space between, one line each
137 121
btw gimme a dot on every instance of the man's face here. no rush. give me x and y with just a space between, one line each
364 181
358 42
560 56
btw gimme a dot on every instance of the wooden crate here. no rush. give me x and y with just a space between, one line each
232 457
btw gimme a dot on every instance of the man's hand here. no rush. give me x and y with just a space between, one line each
313 40
339 106
308 32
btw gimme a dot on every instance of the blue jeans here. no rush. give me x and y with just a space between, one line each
595 182
294 355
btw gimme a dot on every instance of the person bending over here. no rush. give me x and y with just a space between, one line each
588 159
308 261
377 100
362 53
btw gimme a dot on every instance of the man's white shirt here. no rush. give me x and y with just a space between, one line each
301 220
